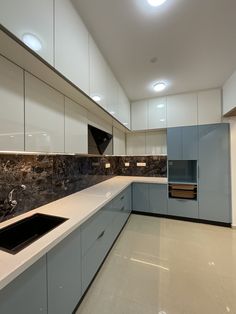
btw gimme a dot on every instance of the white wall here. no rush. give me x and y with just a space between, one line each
229 94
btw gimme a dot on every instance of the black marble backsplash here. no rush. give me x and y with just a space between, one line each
50 177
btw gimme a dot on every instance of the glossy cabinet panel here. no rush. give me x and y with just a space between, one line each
44 117
156 143
139 115
71 45
112 89
209 107
136 144
190 143
98 74
26 294
30 16
119 142
12 106
158 198
182 110
76 128
214 173
124 108
157 113
140 197
174 143
64 275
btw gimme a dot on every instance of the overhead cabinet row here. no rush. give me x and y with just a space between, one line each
67 46
177 110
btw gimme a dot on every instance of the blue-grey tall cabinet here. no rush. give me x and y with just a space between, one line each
214 173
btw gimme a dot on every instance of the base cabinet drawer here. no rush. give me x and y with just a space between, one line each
64 275
27 294
183 208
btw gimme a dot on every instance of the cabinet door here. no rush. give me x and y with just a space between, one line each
34 17
98 74
174 143
209 106
44 117
158 198
136 144
182 110
118 142
183 208
64 275
214 173
26 294
124 108
157 113
112 94
71 45
12 106
140 197
139 115
156 143
190 143
76 128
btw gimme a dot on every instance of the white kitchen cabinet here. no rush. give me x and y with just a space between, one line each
229 94
76 128
209 106
118 142
157 113
30 16
136 143
156 143
112 94
98 74
182 110
12 106
139 115
44 117
71 45
124 108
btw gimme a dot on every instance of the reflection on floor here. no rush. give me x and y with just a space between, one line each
162 266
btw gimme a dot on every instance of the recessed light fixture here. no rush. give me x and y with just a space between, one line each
32 41
159 86
156 3
97 98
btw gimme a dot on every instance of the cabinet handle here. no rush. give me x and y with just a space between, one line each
101 235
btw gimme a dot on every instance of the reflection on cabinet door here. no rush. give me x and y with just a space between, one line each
34 17
214 175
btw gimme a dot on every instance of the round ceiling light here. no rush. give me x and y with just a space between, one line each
156 3
32 41
159 87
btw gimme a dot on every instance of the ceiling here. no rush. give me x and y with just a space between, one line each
193 41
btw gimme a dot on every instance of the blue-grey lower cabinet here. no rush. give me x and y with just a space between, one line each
183 208
27 294
214 173
64 275
158 198
140 197
150 198
98 234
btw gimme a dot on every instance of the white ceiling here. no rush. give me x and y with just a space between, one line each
194 42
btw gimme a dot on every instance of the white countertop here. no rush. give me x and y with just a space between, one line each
78 207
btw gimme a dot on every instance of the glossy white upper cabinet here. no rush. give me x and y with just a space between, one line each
12 106
98 74
30 17
118 142
229 94
209 106
156 143
136 143
157 113
123 108
182 110
112 94
44 117
139 115
76 128
71 45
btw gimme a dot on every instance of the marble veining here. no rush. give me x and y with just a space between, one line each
51 177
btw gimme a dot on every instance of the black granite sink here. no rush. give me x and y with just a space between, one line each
17 236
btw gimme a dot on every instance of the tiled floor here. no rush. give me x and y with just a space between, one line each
161 266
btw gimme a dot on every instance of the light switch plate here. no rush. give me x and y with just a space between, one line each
141 164
107 165
126 164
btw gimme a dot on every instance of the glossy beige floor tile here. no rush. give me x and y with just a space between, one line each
163 266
